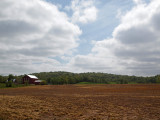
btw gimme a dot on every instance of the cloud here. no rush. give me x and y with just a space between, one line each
84 11
34 32
133 49
138 1
31 30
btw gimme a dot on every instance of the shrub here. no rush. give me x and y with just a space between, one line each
43 82
9 84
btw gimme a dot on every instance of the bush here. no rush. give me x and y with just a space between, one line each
2 85
9 84
43 82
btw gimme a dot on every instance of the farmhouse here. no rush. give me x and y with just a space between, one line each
30 79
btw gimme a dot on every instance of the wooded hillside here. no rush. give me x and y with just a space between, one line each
74 78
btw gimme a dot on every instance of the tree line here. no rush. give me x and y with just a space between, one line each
92 77
60 77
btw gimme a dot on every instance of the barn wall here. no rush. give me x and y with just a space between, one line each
30 80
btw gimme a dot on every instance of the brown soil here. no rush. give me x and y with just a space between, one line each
82 102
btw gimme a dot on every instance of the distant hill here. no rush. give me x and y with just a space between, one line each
62 77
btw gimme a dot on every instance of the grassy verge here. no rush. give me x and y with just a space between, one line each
89 83
112 83
96 83
104 83
132 83
3 85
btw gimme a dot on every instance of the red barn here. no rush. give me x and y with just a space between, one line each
30 79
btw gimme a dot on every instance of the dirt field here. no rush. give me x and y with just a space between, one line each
82 102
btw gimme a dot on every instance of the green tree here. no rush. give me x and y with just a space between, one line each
1 79
10 77
9 82
157 79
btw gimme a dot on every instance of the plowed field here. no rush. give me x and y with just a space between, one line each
81 102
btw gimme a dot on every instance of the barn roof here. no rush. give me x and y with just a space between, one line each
32 76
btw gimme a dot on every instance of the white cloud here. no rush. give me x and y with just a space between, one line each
138 1
84 11
134 48
31 30
34 31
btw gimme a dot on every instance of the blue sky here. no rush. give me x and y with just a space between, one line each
103 26
110 36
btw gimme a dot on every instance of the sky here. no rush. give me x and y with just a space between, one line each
109 36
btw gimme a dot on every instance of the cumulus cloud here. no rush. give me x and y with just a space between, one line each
138 1
133 49
32 31
84 11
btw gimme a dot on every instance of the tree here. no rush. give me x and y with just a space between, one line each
1 79
10 77
157 79
9 81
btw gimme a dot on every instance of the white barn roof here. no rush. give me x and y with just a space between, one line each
32 76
